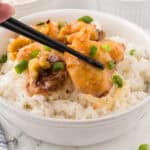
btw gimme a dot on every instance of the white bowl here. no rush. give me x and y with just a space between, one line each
84 132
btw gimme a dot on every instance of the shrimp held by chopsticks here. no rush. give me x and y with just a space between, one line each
85 77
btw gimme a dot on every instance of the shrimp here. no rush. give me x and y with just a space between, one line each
24 52
48 28
117 49
16 44
76 29
42 78
87 78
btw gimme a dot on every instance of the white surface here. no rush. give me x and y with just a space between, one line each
78 133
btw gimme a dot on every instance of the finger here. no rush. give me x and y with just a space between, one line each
6 11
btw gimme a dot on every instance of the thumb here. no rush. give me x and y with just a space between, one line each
6 11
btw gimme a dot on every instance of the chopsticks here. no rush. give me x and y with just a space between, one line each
25 30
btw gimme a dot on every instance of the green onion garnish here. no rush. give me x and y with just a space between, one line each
62 24
144 147
106 47
34 53
3 59
93 51
47 48
132 52
21 67
117 80
111 65
86 19
58 66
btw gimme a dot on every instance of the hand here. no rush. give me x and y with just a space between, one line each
6 11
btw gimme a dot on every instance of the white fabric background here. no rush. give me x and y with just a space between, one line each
135 10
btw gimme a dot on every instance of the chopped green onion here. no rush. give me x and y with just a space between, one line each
3 59
34 53
117 80
144 147
86 19
132 52
62 24
21 67
47 48
40 23
106 47
58 66
93 51
111 65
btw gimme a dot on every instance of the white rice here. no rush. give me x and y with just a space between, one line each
134 70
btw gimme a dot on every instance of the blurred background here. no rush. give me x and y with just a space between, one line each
137 11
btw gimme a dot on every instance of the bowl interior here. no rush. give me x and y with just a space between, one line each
112 25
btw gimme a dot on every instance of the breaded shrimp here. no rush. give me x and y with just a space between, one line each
16 44
117 49
76 29
24 53
48 28
87 78
42 78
